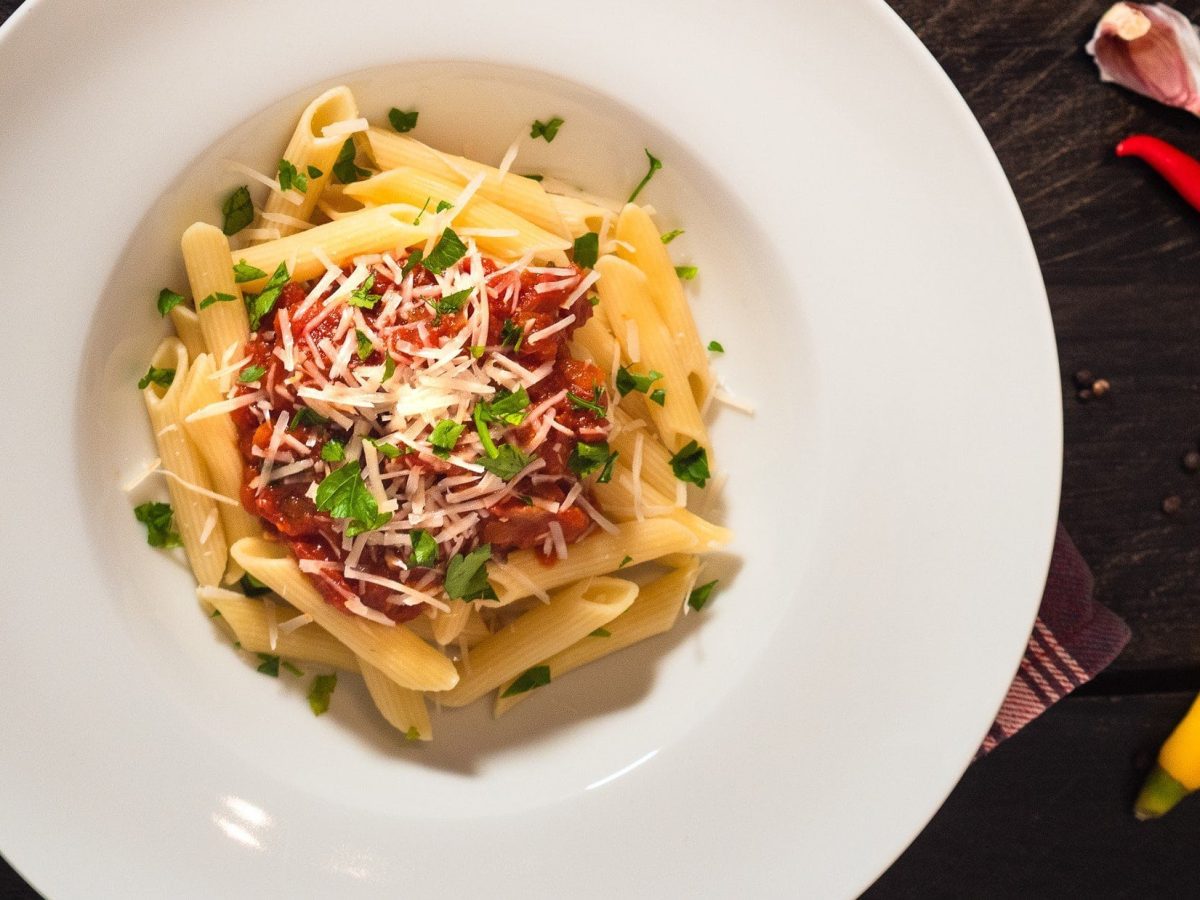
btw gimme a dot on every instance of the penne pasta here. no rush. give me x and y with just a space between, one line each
219 306
403 709
195 514
395 651
247 618
571 614
187 329
655 611
448 626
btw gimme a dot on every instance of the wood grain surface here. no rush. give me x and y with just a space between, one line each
1047 814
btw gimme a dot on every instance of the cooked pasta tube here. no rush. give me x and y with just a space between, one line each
307 148
624 294
403 709
195 510
419 188
571 614
222 314
655 610
394 650
448 626
367 231
640 243
578 215
187 329
248 619
215 438
523 574
518 194
656 459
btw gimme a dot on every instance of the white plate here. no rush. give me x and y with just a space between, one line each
866 267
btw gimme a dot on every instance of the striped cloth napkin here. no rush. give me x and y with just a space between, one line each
1073 640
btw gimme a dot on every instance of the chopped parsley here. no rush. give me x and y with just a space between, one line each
587 249
216 297
290 177
580 403
446 252
402 121
413 733
168 300
424 206
237 211
698 597
385 449
655 165
525 499
333 451
322 689
626 561
252 587
443 206
691 464
534 177
466 576
243 272
269 664
511 335
260 305
528 680
444 437
507 462
157 519
600 632
413 260
343 495
291 667
587 458
361 296
547 130
671 235
715 347
477 350
424 548
629 381
508 408
365 347
251 374
314 172
449 304
344 169
389 369
155 375
659 396
306 416
686 273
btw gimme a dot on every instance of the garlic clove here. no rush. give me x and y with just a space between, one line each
1151 49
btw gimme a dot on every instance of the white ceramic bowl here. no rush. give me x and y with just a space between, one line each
863 262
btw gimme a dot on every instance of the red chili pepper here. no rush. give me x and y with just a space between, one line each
1181 171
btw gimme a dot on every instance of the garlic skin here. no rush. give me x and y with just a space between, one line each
1150 49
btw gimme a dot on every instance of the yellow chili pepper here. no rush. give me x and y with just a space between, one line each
1178 771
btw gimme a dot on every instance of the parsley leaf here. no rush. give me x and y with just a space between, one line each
413 260
290 178
507 408
511 335
449 303
424 206
155 375
402 121
671 235
534 177
424 548
547 130
344 169
322 689
362 296
628 381
659 396
525 499
216 297
343 495
365 347
306 416
252 587
698 597
507 462
626 561
478 415
168 300
260 305
385 449
314 172
587 458
528 680
580 403
443 206
655 165
269 664
466 576
601 632
446 252
252 373
691 464
292 667
686 273
715 347
157 519
333 451
413 733
587 249
477 351
389 369
237 211
444 437
244 272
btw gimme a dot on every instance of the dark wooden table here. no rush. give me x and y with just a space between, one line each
1047 814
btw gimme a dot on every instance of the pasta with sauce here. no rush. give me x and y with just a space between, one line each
433 413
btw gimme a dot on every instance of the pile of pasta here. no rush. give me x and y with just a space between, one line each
550 618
